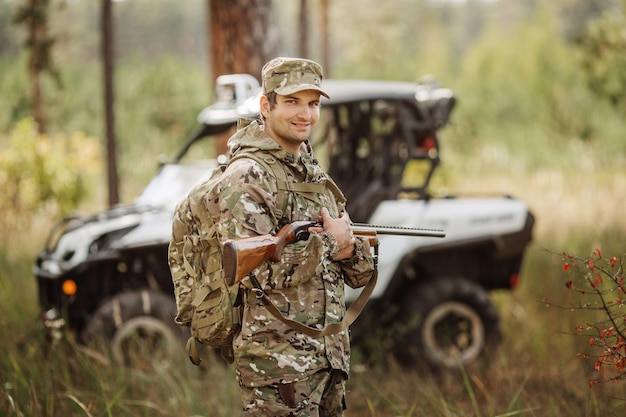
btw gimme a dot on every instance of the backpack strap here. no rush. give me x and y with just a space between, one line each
334 188
330 329
269 163
330 184
284 186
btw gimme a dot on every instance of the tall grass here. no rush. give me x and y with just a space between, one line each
535 371
67 379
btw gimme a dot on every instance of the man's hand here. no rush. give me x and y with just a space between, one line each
340 229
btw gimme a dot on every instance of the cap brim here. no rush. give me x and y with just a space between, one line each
290 89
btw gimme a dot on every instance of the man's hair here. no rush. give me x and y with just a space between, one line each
271 98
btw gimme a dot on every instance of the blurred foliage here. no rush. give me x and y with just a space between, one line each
142 27
517 87
524 101
603 57
156 108
526 97
42 175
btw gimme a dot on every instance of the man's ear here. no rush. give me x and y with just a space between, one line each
265 106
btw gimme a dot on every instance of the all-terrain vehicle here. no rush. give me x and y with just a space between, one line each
107 276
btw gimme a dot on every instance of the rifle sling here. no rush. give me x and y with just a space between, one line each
351 314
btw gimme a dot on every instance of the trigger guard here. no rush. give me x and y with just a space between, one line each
302 235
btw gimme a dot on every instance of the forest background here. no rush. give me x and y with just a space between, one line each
541 115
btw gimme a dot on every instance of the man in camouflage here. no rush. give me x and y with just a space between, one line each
283 372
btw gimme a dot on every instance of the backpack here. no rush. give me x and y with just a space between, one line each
205 303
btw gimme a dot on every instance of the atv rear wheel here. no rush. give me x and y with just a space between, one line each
449 321
138 328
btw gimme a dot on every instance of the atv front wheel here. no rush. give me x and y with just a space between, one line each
139 329
449 321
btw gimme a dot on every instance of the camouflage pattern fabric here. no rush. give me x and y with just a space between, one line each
203 300
322 394
289 75
306 285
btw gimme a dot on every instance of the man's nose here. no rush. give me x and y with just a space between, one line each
304 112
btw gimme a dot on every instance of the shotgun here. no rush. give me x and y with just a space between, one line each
241 256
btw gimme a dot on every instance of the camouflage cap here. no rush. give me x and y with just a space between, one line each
290 75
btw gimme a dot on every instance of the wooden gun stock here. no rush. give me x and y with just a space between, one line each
241 256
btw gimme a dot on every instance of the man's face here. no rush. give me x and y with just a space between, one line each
291 121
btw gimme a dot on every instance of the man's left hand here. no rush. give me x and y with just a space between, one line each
340 229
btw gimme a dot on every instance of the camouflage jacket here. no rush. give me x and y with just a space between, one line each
306 285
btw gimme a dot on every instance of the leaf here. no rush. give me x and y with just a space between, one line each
598 365
591 265
598 253
566 266
597 281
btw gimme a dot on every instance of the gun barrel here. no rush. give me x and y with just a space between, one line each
241 256
396 230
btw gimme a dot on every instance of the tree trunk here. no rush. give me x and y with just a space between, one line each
37 97
242 36
34 15
107 61
303 35
325 37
